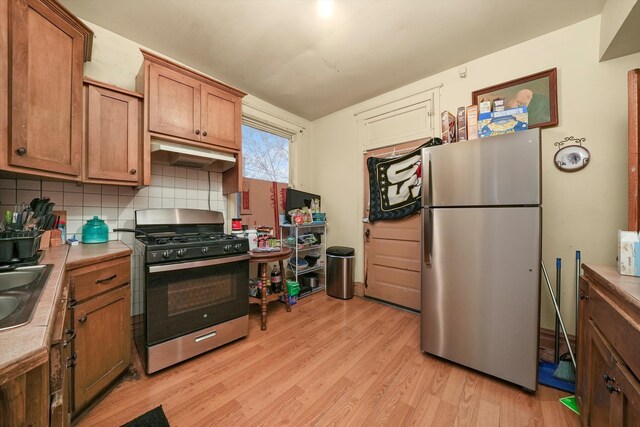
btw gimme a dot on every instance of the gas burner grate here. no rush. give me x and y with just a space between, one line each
216 236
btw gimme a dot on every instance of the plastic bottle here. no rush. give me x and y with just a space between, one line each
276 281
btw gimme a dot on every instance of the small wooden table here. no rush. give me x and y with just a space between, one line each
262 259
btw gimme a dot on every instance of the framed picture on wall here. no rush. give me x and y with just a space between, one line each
537 92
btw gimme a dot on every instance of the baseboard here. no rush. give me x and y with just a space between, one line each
358 289
547 344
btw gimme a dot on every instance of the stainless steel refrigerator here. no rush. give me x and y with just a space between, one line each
481 225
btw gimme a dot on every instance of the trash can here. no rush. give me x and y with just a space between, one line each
340 272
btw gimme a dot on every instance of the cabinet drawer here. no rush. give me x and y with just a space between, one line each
620 330
89 281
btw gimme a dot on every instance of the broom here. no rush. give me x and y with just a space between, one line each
567 367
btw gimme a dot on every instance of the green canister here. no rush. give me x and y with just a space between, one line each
95 231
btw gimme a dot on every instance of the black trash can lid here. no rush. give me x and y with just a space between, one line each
340 251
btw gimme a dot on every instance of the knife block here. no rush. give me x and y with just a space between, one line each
56 238
45 240
51 238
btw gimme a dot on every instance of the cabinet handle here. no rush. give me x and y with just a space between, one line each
72 332
133 171
82 318
21 151
584 296
72 303
106 279
612 389
204 133
606 377
71 360
197 131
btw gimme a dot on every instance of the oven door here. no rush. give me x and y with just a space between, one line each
185 297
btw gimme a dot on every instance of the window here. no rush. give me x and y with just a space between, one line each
265 155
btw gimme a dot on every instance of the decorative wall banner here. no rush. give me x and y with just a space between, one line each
394 186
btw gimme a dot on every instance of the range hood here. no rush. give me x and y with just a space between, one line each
182 155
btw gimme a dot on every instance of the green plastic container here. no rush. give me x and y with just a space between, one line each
293 287
95 231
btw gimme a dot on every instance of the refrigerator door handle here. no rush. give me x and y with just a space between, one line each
427 235
426 178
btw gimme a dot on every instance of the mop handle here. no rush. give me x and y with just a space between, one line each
555 305
556 332
578 259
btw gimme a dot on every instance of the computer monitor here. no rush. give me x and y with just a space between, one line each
296 199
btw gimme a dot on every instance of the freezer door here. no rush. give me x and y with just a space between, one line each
502 170
480 292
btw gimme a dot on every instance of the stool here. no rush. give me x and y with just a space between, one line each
262 259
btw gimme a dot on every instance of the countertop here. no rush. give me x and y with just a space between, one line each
27 346
625 287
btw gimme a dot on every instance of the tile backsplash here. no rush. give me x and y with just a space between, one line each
171 187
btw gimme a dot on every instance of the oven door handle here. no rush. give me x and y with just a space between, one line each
200 263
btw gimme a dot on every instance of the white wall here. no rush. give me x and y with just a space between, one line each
117 60
581 210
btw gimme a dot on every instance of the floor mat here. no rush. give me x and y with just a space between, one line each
153 418
545 377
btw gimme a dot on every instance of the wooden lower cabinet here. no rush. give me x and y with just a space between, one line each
102 344
608 389
101 314
24 401
61 361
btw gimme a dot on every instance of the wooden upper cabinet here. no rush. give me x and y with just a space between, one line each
185 105
113 147
221 118
45 65
174 103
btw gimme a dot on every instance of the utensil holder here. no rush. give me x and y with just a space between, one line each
19 244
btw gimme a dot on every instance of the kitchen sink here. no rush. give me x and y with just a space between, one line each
20 290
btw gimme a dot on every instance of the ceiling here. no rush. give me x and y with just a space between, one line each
283 52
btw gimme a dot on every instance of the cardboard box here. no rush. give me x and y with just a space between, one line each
498 104
485 107
502 122
448 127
628 253
461 124
472 122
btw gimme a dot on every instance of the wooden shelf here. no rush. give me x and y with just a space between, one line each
271 297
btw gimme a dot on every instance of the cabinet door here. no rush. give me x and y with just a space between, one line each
113 136
102 344
46 90
174 103
60 360
221 116
602 368
625 398
582 377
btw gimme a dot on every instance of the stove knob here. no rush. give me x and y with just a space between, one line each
166 254
227 248
237 247
181 252
204 250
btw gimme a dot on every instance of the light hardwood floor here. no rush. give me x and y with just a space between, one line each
328 362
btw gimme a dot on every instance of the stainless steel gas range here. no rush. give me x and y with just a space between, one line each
195 280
